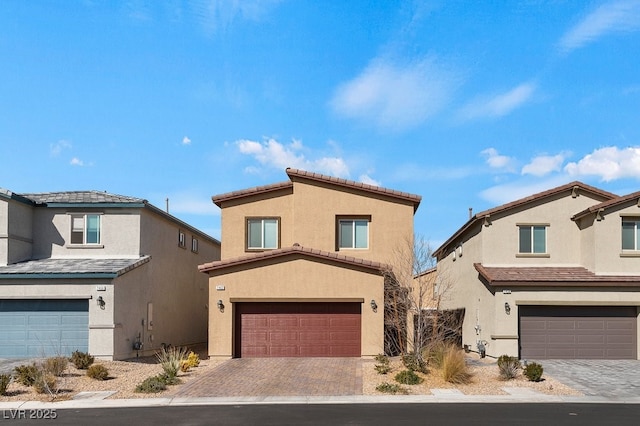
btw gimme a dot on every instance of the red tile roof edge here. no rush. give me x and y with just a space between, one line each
608 204
522 201
219 199
295 249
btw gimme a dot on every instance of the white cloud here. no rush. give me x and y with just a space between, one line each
56 148
365 178
544 164
497 161
505 193
186 141
498 105
617 16
273 154
609 163
396 96
75 161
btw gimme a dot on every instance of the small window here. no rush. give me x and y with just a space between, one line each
85 229
181 239
630 233
194 244
262 233
533 239
353 233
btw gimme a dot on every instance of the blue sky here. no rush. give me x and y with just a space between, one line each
469 104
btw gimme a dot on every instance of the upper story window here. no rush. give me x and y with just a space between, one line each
194 244
353 233
263 233
182 239
533 239
630 233
85 228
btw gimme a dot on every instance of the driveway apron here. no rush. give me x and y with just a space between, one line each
279 377
605 378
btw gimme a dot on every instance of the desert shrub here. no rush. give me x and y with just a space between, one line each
508 366
45 382
56 365
434 354
98 372
414 362
170 359
408 377
454 366
533 372
382 366
5 379
26 374
152 384
192 360
169 380
391 388
81 360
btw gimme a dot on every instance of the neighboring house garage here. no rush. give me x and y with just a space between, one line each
578 332
36 328
291 329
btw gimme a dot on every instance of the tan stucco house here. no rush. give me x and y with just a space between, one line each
302 264
98 272
553 275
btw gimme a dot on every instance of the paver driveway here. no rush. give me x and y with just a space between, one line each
605 378
279 377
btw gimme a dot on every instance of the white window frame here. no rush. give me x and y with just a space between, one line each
194 244
533 227
84 231
353 221
182 239
636 232
263 221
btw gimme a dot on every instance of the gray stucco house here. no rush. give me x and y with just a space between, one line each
98 272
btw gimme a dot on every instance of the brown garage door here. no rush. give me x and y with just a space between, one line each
297 329
578 332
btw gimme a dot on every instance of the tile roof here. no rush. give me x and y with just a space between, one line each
219 199
296 173
635 196
553 276
73 266
295 249
81 197
572 186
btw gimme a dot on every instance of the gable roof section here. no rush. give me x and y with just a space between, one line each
264 189
288 251
71 268
572 276
572 187
405 196
82 197
635 196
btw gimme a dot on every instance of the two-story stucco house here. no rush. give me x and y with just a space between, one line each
553 275
301 272
98 272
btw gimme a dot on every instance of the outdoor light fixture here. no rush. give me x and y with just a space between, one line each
507 308
374 305
220 305
101 302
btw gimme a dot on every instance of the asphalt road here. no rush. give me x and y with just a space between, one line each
339 414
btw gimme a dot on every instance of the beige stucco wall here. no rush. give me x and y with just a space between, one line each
292 279
16 231
609 256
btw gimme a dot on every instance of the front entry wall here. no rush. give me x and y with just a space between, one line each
300 282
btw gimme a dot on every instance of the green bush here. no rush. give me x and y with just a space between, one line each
413 362
391 388
533 372
171 359
454 366
152 384
26 374
382 366
98 372
169 380
56 365
508 366
408 377
81 360
434 354
5 379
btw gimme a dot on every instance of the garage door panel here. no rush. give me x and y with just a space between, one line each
297 329
585 332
